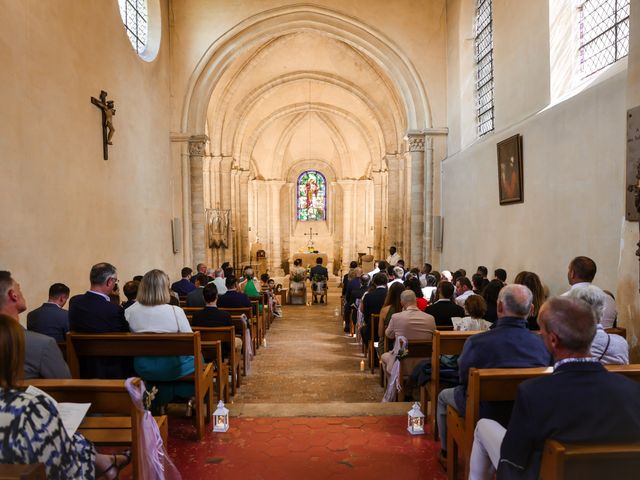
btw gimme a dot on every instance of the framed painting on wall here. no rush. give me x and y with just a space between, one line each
510 177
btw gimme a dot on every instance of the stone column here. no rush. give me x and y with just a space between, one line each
274 227
196 153
348 227
396 193
428 200
416 151
379 213
243 216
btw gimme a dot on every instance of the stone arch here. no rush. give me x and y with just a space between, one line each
261 27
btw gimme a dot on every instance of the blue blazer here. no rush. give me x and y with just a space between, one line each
579 402
49 319
91 313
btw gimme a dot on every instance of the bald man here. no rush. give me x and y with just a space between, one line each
509 344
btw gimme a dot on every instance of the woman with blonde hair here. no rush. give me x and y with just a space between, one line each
31 429
152 314
390 306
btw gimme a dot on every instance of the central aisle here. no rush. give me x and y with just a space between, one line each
309 360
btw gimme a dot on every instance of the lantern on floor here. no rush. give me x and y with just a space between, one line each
221 418
415 420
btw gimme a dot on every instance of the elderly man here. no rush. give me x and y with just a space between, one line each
200 268
218 279
398 274
509 344
581 272
51 318
43 358
606 348
411 323
580 402
93 312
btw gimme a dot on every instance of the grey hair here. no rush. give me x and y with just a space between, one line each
398 272
101 272
408 297
516 299
572 320
218 272
592 295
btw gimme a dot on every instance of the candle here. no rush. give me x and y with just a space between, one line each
362 365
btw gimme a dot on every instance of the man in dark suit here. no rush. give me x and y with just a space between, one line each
318 274
184 286
234 298
580 402
51 319
444 308
356 289
195 297
42 357
92 312
509 344
212 316
372 303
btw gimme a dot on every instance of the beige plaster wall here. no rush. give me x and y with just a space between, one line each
573 204
417 28
627 288
64 208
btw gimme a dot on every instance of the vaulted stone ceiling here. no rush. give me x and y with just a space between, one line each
305 97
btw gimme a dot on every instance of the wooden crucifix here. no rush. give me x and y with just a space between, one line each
310 235
108 111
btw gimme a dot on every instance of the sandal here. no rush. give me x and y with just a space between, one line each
118 467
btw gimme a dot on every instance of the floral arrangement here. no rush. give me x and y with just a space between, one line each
402 353
297 277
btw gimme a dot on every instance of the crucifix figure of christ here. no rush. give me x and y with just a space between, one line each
108 111
310 235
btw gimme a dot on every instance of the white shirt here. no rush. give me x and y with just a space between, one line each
157 319
397 280
106 297
460 299
220 285
393 259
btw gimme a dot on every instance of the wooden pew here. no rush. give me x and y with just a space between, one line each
444 343
117 421
617 331
370 351
619 461
225 335
221 372
494 385
259 316
154 345
418 349
236 313
14 471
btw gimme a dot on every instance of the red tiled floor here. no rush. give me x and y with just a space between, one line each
308 448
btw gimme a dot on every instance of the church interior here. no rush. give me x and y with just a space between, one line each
257 132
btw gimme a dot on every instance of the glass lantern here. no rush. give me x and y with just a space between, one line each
221 418
415 420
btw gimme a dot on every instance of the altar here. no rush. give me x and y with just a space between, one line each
308 259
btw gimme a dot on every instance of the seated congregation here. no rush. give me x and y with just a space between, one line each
470 325
149 336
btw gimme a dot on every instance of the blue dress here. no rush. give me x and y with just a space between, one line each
31 432
162 371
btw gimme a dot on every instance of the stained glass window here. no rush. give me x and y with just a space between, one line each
604 33
312 196
484 67
135 17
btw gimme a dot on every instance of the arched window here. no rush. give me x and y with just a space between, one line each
604 33
484 67
136 22
312 196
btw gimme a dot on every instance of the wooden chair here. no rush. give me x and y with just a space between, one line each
619 461
225 335
14 471
81 345
494 385
444 343
116 421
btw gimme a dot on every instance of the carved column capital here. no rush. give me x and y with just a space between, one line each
416 141
197 145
